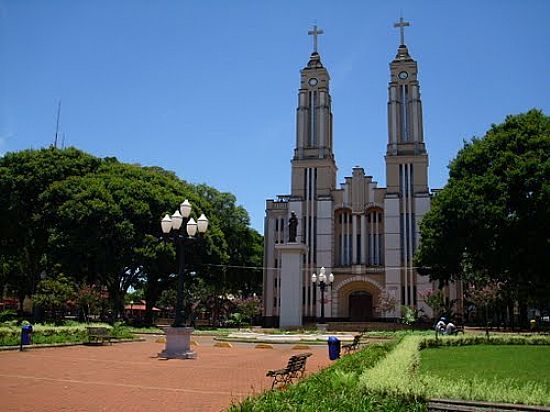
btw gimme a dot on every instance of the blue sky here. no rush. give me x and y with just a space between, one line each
208 88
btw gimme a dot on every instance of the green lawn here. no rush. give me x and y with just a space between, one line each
334 389
523 363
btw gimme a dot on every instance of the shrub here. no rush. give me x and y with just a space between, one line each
48 333
7 315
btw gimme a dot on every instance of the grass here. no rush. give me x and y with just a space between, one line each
487 362
333 389
398 373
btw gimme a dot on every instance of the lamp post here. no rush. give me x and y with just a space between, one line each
322 278
182 230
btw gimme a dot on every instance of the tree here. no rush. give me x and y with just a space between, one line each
242 247
484 297
88 299
24 176
493 215
64 211
438 303
249 308
386 302
54 294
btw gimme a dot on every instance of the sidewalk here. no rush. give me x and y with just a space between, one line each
129 377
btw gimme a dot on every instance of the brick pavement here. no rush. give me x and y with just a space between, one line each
129 377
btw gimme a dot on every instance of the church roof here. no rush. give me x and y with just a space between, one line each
314 61
403 54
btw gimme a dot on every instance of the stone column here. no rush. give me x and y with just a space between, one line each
354 239
291 284
364 249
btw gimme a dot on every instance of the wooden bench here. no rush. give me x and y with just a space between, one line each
98 335
353 346
294 369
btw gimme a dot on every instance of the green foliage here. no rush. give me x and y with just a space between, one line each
64 211
249 308
491 220
7 315
48 333
120 331
398 375
88 299
409 315
54 294
441 306
333 389
145 330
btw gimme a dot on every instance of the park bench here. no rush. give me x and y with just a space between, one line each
294 369
99 334
353 346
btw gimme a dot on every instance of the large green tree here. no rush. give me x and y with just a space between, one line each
98 220
491 222
24 176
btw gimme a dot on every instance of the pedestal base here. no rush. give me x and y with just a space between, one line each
322 327
178 343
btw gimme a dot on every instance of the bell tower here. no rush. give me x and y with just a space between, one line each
407 198
313 166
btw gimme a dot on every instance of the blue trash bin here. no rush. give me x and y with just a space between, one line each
26 332
333 348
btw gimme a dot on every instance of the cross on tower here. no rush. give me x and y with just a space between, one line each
402 24
315 33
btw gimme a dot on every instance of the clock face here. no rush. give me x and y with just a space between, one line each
313 82
403 75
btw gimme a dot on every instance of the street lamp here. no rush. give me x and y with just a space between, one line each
322 278
172 227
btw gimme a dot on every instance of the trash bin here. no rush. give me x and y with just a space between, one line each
333 347
26 333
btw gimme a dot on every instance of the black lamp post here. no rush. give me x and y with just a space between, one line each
322 285
172 227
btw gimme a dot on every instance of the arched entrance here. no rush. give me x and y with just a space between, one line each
354 298
360 306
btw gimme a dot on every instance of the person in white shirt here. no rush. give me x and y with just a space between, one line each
441 325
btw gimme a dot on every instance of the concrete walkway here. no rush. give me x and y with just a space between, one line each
129 377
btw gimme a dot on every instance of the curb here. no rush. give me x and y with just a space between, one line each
61 345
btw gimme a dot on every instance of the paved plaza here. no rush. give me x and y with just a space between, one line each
129 377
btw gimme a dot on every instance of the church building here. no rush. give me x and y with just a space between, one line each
362 234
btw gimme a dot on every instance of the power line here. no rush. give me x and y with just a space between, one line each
384 268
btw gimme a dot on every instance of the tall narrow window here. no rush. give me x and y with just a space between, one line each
404 98
313 118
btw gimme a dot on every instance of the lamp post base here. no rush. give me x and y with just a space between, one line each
178 343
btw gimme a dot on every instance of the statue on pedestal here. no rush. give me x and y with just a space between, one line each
292 227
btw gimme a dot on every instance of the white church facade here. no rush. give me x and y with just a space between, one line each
363 234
